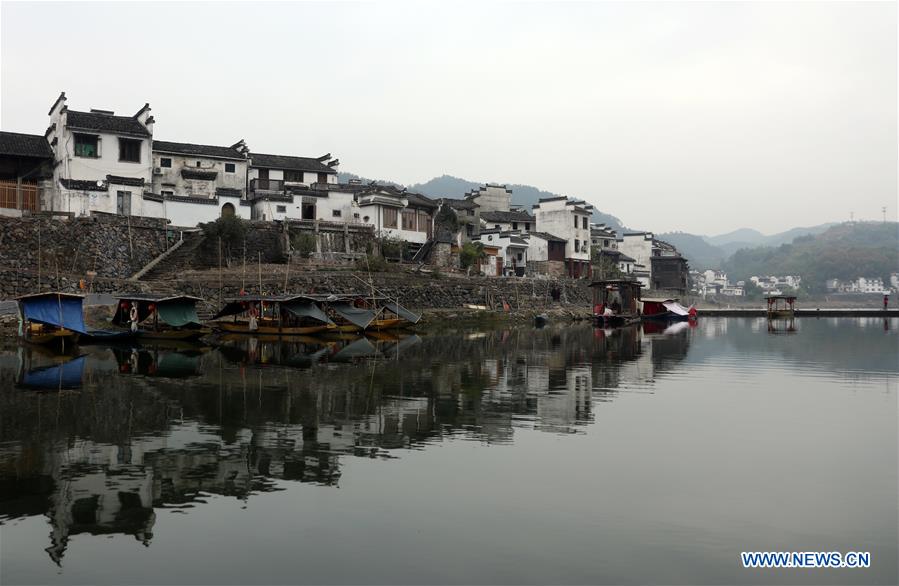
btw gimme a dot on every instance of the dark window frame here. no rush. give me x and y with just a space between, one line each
165 162
129 150
230 168
79 142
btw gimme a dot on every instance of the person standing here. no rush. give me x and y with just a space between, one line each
886 301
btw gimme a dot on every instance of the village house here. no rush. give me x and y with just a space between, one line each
196 183
605 253
569 220
398 214
26 171
466 215
546 255
512 220
298 188
860 285
657 264
102 162
491 197
512 251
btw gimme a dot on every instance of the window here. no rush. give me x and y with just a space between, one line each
356 216
198 163
281 209
577 245
585 222
575 222
409 219
129 150
490 237
605 243
123 203
322 177
515 225
229 167
87 145
165 162
168 193
496 225
294 176
471 212
366 219
390 218
520 256
527 225
469 231
335 213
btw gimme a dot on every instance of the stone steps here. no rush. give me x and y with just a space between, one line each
178 261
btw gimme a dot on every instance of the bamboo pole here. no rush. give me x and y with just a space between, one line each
221 281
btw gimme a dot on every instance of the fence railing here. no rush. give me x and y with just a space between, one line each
20 196
267 185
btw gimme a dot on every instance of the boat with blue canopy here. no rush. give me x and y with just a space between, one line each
46 318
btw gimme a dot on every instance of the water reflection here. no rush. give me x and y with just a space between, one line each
99 441
250 411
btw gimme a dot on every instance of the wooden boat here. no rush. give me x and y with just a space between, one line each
665 309
154 317
780 306
615 302
46 318
286 315
356 313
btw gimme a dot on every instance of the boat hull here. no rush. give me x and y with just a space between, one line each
266 330
50 337
173 334
614 321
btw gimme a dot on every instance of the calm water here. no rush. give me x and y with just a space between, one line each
561 455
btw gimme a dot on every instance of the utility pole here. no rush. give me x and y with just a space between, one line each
884 210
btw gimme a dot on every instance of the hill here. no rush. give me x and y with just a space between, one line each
456 187
699 252
842 251
748 238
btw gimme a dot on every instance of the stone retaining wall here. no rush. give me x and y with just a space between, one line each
113 246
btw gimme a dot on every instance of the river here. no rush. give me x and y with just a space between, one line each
566 454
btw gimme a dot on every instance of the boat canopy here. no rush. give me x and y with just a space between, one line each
177 310
301 308
62 310
402 312
67 375
676 308
355 315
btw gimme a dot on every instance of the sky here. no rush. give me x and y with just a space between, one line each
677 116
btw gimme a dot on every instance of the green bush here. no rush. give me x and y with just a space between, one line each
231 230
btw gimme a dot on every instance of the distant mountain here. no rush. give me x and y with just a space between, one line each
842 251
456 187
699 252
747 235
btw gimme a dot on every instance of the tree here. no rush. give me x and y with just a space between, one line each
231 231
604 266
472 253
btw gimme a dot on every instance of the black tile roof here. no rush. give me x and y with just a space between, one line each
199 150
290 163
513 216
83 185
547 236
119 180
460 204
105 123
419 200
25 145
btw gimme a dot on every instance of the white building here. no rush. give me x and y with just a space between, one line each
510 221
103 162
512 250
569 220
491 197
197 183
397 214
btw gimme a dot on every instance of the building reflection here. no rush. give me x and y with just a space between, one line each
105 456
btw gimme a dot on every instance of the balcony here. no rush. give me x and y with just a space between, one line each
276 185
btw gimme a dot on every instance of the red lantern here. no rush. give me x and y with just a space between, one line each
124 305
152 307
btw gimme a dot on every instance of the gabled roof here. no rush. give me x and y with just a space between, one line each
512 216
312 165
547 237
105 123
460 204
24 145
419 200
199 150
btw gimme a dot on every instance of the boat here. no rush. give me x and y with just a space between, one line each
392 315
666 309
780 306
615 302
46 318
154 317
277 315
356 313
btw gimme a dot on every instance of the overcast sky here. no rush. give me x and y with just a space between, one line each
700 117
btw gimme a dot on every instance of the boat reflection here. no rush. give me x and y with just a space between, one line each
253 413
